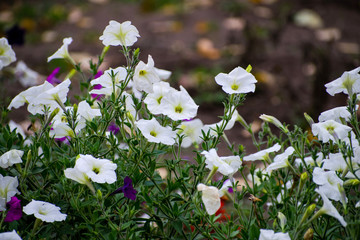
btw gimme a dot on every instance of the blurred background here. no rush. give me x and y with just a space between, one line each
294 47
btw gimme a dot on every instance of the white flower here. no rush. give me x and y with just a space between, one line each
258 172
44 211
210 197
153 99
8 189
60 127
10 236
266 234
263 154
154 132
77 175
230 124
357 205
10 158
163 74
88 113
98 170
330 130
62 52
273 120
116 34
335 114
329 209
348 83
335 162
25 75
328 182
7 55
106 80
225 165
17 127
191 131
237 81
145 76
281 160
178 105
29 95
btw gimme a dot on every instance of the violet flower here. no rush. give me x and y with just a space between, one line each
15 211
127 189
51 78
113 128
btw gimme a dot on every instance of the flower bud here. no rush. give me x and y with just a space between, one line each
309 234
303 177
282 219
309 119
352 182
249 68
308 213
275 121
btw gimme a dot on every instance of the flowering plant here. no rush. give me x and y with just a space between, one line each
111 165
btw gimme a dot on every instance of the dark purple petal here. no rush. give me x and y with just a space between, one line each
15 211
230 190
127 189
113 128
98 74
51 78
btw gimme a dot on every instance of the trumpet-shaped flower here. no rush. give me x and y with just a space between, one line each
10 158
210 197
263 154
44 211
153 99
281 160
8 189
127 189
335 114
330 130
63 52
86 112
163 74
10 235
60 127
154 132
29 95
310 161
348 83
145 76
98 170
329 209
335 162
237 81
123 34
266 234
225 165
179 105
14 212
25 75
328 183
191 131
230 124
7 55
106 81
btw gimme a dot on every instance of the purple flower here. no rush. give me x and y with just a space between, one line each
51 78
15 212
97 86
113 128
127 189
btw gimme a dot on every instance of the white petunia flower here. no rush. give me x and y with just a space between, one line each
263 154
227 166
191 131
29 95
329 209
17 127
210 197
266 234
60 127
163 74
154 132
335 114
25 75
348 83
212 127
153 99
328 183
330 130
178 105
281 160
10 235
123 34
145 76
106 81
44 211
310 161
10 158
260 175
63 52
225 187
335 162
86 112
98 170
8 189
7 55
237 81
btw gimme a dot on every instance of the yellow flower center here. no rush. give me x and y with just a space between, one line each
234 87
96 170
142 72
153 133
178 109
330 129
